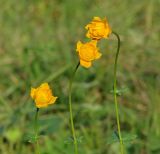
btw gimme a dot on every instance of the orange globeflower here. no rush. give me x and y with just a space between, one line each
88 52
42 95
98 29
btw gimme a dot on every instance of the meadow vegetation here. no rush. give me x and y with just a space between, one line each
37 44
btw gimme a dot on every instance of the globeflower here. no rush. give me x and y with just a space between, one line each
98 29
88 52
42 95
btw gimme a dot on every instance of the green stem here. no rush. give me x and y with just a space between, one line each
36 131
70 110
115 94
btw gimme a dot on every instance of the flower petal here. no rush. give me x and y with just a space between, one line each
44 85
52 100
33 91
94 42
88 34
85 63
79 44
98 55
97 18
41 105
87 26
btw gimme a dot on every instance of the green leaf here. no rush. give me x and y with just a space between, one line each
129 137
125 137
29 138
70 140
121 91
13 134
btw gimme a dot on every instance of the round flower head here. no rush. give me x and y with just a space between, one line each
98 29
87 52
42 95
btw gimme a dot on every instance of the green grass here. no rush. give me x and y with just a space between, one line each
37 44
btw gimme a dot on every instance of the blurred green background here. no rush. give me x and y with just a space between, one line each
37 44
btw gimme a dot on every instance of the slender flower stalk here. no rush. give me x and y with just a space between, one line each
115 94
97 29
36 131
70 110
42 97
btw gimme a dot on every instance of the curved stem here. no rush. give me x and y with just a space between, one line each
115 93
36 131
70 110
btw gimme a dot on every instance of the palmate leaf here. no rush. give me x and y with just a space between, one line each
121 91
70 140
127 138
31 138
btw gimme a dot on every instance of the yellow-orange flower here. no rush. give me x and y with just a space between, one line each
88 52
98 29
42 95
